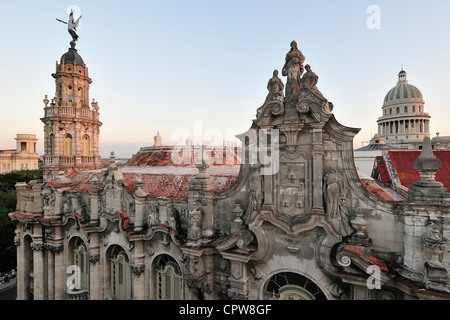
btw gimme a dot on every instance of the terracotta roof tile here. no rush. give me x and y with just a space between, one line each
403 162
170 182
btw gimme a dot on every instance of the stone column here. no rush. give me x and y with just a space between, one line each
317 164
51 273
22 263
414 231
139 199
58 202
138 271
93 219
95 276
60 276
39 275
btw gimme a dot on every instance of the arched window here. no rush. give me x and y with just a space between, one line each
405 110
81 261
69 96
397 110
292 286
169 280
68 145
120 274
85 145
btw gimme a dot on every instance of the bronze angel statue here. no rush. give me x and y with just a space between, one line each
72 24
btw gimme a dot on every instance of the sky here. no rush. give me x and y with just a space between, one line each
200 67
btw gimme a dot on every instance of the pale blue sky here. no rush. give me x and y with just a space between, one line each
166 65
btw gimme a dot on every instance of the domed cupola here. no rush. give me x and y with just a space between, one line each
403 92
72 56
404 122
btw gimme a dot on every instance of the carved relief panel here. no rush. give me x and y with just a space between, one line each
291 190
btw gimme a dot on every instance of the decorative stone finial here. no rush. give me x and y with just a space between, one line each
46 101
427 190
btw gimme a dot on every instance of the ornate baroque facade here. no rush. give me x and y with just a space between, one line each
292 221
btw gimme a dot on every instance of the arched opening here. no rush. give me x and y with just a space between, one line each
120 277
80 260
68 145
169 279
291 286
85 145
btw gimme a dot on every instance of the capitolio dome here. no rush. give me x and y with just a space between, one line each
403 92
404 122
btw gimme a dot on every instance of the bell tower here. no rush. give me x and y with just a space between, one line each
71 125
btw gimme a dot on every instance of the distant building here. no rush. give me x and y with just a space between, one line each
404 122
24 157
441 142
365 156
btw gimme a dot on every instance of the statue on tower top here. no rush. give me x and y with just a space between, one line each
72 24
293 69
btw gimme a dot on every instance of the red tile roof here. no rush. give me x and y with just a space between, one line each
183 156
403 162
170 182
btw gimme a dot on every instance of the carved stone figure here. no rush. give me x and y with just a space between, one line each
275 87
66 206
195 218
345 228
255 195
309 82
293 69
275 97
335 203
332 190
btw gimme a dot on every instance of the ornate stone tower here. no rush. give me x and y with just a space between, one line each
71 126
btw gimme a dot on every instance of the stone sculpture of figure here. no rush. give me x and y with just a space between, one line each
332 192
345 228
309 82
255 189
293 69
275 87
66 206
335 200
195 218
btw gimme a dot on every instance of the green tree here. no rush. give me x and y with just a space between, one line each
8 201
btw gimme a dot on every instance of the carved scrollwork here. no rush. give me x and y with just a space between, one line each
37 246
93 258
344 260
138 269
